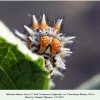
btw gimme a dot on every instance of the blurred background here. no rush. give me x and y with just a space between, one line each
81 19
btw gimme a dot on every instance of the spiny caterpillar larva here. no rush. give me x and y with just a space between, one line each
47 41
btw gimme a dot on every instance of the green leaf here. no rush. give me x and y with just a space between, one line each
19 68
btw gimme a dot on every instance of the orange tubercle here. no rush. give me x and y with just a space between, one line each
55 46
44 42
35 26
28 43
43 25
56 28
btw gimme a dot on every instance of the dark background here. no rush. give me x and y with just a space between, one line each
82 19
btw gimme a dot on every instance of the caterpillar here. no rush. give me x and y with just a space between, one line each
48 41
